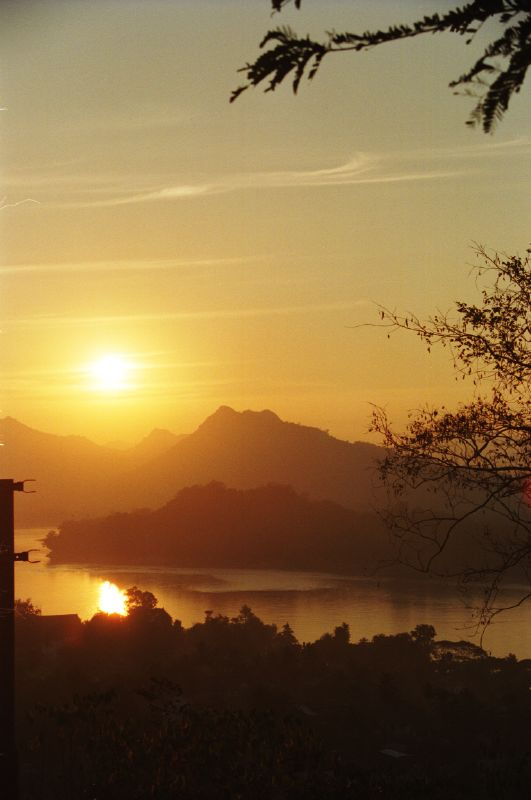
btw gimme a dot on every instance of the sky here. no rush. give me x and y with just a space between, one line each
227 254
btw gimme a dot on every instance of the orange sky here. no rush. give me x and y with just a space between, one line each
226 251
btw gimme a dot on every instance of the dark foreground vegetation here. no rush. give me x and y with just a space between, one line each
139 707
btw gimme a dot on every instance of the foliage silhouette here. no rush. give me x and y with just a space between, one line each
235 708
452 470
138 599
26 608
289 55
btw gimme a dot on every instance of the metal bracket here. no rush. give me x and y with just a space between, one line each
24 556
19 486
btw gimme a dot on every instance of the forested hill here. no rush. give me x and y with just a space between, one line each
215 526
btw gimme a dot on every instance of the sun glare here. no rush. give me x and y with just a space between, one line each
110 373
112 599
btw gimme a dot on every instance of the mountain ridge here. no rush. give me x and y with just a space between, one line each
244 449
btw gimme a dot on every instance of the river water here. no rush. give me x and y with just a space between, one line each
312 603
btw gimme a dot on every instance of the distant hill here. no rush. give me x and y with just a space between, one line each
248 449
214 526
74 476
77 478
153 445
69 471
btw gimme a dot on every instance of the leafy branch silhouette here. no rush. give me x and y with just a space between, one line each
492 80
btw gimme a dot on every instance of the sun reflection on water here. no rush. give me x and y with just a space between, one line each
112 600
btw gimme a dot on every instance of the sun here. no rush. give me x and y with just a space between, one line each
111 373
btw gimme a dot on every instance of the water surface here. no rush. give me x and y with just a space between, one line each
312 603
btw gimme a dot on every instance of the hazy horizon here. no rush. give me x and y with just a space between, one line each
223 254
154 428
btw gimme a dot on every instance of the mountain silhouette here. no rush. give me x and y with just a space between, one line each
69 471
73 476
214 526
152 445
249 449
78 478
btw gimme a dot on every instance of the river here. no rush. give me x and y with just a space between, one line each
312 603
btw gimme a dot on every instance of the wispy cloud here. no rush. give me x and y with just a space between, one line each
243 313
362 168
164 193
349 172
4 204
146 265
480 149
144 371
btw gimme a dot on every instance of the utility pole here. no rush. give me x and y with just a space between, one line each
8 751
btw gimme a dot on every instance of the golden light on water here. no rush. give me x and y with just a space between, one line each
112 599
